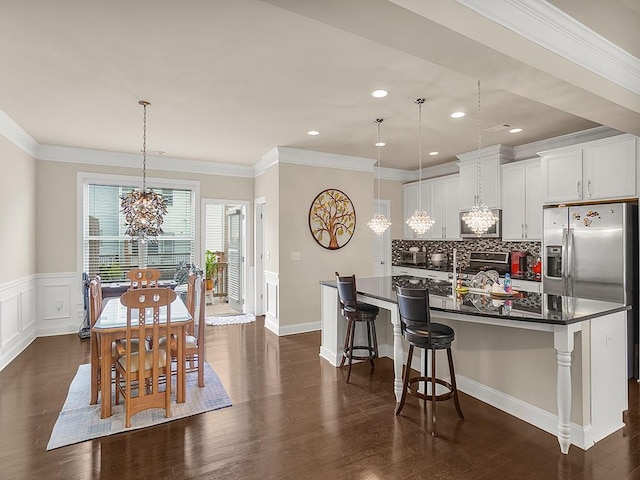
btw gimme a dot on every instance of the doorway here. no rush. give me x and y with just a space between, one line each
224 247
382 243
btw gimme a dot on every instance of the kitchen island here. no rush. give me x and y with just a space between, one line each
481 322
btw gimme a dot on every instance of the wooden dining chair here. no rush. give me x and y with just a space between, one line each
95 309
139 375
195 339
144 277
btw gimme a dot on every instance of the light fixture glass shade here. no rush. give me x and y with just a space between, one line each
143 214
420 222
143 209
379 224
479 219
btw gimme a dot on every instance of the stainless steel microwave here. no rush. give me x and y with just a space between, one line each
494 231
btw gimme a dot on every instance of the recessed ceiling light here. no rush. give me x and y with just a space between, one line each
515 130
379 93
458 114
433 153
313 133
380 144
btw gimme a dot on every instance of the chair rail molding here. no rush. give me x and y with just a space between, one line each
17 317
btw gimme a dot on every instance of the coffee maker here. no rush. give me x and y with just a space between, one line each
518 262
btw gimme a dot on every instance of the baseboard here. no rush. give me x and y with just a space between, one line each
580 436
283 330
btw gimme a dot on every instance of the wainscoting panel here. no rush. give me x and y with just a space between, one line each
271 320
60 303
17 317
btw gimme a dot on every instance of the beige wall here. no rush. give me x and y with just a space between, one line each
267 186
17 212
57 216
299 288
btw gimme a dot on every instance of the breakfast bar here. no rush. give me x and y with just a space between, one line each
482 322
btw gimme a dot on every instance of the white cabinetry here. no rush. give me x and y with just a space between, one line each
522 200
489 171
526 286
444 208
410 204
599 170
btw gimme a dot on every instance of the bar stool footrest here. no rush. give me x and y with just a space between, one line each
411 390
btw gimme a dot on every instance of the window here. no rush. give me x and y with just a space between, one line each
108 252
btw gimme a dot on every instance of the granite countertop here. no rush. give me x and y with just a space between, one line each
448 268
525 306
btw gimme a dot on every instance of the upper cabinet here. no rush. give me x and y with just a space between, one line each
488 172
410 204
599 170
522 200
444 208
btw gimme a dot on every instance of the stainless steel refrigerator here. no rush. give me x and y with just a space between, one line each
591 251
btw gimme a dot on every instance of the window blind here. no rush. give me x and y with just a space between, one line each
108 252
214 240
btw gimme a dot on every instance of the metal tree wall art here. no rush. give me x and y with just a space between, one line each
332 219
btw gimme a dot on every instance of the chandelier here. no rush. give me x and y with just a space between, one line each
479 218
143 209
420 221
379 222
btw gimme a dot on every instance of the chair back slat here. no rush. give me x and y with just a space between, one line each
95 300
144 277
413 306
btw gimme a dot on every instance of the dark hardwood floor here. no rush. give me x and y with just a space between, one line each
293 417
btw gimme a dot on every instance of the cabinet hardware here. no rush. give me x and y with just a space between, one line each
589 188
579 189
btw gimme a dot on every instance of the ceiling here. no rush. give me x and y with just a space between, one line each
228 80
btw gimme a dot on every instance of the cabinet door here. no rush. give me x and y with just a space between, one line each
534 199
610 170
436 210
409 204
490 187
513 201
452 208
562 176
468 185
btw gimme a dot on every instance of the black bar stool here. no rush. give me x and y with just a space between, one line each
421 332
354 312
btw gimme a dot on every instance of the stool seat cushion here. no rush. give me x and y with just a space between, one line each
441 336
363 308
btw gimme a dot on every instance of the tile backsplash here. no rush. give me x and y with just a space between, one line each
464 247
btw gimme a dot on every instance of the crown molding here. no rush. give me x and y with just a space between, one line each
320 159
531 150
18 135
268 160
504 152
546 25
397 175
54 153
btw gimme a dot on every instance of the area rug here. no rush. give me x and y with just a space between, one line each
78 421
230 319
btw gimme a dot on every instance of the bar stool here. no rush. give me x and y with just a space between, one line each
354 312
421 332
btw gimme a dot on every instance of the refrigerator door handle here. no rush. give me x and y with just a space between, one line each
563 259
570 261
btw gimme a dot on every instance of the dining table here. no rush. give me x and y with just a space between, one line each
111 326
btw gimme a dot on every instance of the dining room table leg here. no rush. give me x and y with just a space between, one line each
105 378
181 370
95 367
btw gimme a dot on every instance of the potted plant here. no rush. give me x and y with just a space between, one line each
211 260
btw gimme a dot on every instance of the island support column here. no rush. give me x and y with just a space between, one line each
563 336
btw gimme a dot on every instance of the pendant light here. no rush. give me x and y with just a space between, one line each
420 221
143 209
379 222
479 218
